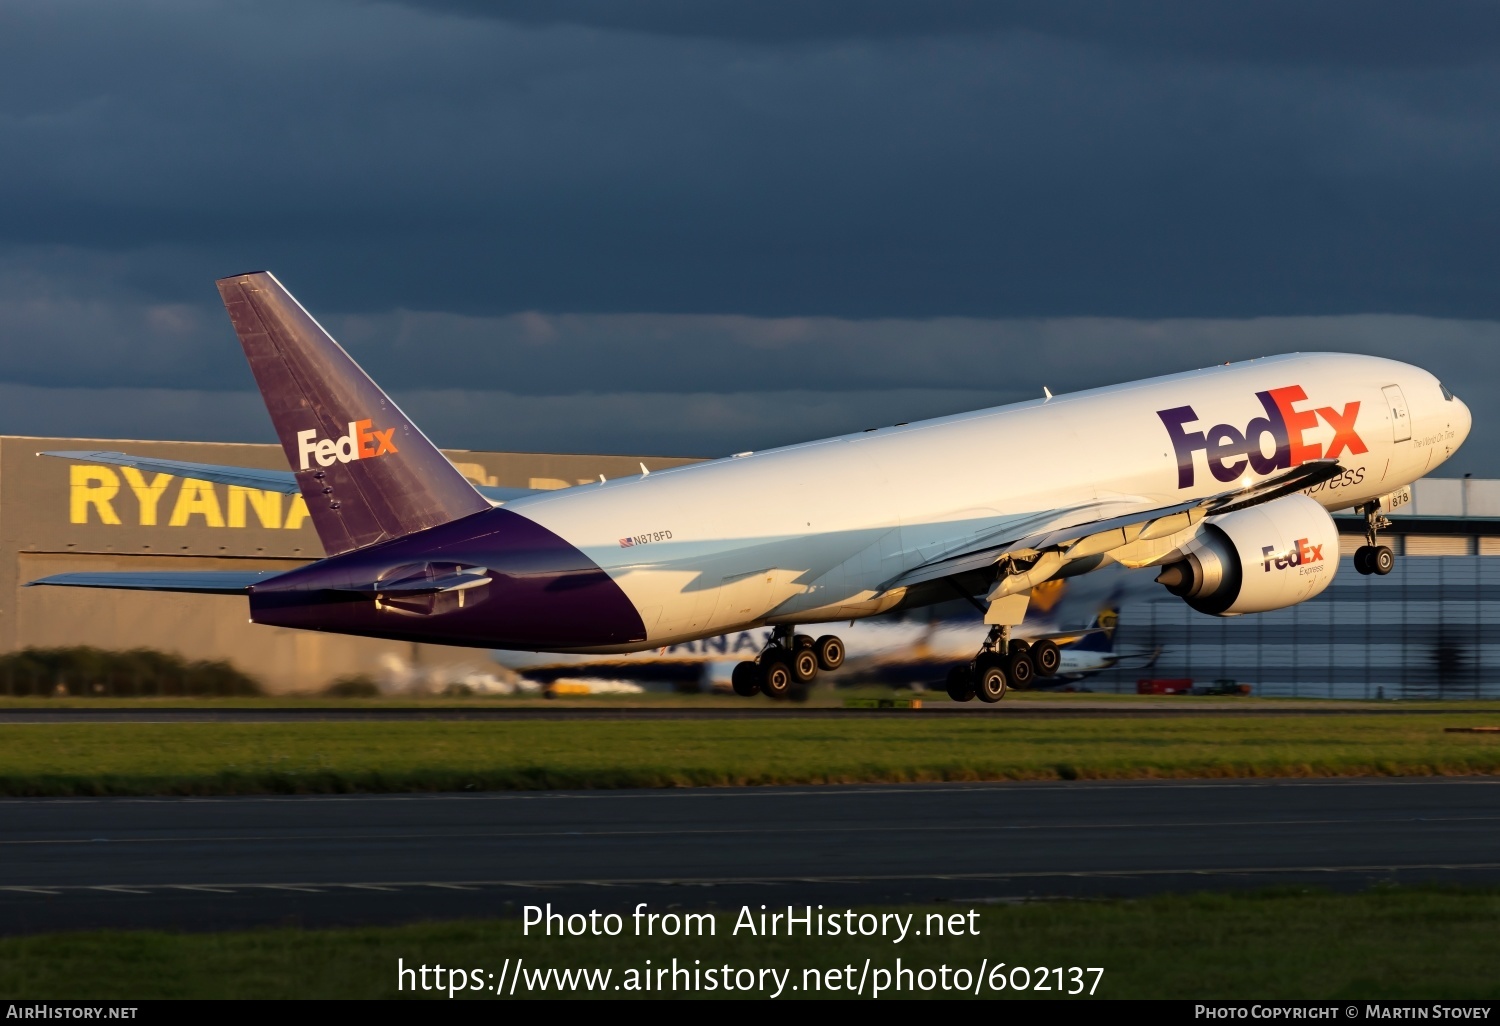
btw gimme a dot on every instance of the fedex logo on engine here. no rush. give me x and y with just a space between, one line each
361 443
1301 554
1229 450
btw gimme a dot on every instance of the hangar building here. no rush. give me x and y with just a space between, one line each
58 516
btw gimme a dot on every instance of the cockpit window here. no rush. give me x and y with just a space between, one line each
1446 394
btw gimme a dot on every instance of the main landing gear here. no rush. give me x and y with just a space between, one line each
1000 665
1374 558
788 665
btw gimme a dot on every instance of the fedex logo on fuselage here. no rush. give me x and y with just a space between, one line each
1230 450
1302 554
361 443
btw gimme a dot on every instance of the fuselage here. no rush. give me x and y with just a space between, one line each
824 531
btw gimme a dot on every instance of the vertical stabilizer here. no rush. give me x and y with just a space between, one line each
367 473
1102 637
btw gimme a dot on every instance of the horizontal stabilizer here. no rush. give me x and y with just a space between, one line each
209 582
499 495
246 477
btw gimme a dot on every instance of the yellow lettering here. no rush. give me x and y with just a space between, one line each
296 514
548 483
475 472
267 506
146 495
92 486
197 498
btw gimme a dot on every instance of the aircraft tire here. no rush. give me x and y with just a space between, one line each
990 684
960 684
1020 671
830 650
746 680
804 665
1382 560
1362 561
776 678
1047 658
801 641
1019 646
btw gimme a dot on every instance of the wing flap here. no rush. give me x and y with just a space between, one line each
1094 536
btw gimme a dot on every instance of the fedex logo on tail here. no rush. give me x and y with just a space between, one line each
1302 554
361 443
1229 450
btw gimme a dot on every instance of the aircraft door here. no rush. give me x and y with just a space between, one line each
1400 417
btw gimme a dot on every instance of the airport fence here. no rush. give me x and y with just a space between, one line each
1431 629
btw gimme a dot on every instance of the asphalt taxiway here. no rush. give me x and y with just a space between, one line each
732 709
210 863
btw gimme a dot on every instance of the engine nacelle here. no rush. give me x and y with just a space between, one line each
1258 559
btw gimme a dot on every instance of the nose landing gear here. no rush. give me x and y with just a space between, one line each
788 666
1374 558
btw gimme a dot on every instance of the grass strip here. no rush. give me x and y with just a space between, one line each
1397 943
332 757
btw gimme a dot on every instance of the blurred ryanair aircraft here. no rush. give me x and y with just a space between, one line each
899 650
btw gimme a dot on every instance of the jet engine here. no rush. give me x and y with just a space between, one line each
1266 557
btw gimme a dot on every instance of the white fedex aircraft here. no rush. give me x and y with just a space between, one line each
1222 477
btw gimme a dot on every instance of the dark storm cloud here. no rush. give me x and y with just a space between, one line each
405 156
700 227
1392 34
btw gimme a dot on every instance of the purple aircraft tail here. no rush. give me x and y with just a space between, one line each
367 474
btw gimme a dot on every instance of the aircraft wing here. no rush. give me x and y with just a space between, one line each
1082 531
209 582
247 477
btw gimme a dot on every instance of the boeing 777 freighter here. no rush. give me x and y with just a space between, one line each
1223 478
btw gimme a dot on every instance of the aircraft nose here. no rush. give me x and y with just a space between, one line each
1463 420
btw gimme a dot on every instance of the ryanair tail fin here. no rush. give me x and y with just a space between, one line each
367 473
1101 638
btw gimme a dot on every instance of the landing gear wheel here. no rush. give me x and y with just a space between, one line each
804 665
776 678
1047 658
1019 669
1362 560
746 680
1018 646
801 641
960 684
990 683
1382 560
830 652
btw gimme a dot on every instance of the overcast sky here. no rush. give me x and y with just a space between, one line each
699 226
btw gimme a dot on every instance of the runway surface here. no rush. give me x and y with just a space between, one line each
732 710
212 863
